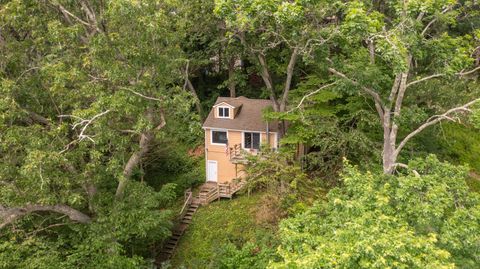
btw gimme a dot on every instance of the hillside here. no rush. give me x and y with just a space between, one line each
219 226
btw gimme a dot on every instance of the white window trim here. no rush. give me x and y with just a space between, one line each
211 136
223 117
243 139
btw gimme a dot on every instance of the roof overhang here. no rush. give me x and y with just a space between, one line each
224 104
237 130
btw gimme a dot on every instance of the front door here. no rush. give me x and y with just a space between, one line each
212 171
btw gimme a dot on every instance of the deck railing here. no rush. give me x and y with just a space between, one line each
235 151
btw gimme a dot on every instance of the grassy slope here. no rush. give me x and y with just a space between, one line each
474 182
215 225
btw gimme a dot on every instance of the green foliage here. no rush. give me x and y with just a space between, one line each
85 83
454 142
332 125
216 232
429 220
81 85
461 144
135 221
251 255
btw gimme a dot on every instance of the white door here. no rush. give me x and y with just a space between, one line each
212 171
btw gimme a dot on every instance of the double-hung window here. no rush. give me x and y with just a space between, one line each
251 140
219 137
223 112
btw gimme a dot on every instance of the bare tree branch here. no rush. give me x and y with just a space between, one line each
310 94
434 120
376 97
85 123
445 10
143 96
423 79
65 11
468 72
461 74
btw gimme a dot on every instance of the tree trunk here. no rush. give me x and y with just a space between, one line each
133 162
198 105
231 77
145 142
9 215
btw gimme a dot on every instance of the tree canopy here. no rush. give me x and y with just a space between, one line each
102 105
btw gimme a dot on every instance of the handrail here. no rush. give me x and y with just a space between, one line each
188 200
211 195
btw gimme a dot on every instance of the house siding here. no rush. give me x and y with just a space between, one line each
226 170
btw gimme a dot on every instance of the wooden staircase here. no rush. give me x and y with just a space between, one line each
189 208
172 242
209 191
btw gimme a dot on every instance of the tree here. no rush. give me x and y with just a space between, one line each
88 89
415 220
275 35
392 49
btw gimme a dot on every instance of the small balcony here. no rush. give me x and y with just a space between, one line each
237 154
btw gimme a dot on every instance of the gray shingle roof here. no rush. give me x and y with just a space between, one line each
249 117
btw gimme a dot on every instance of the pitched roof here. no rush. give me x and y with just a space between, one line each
248 117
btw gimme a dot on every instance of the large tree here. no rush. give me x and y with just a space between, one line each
276 35
389 50
87 87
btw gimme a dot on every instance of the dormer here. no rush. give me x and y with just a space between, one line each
224 110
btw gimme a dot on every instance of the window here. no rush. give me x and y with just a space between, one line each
251 140
219 137
223 112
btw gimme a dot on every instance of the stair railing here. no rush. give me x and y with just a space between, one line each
188 196
209 196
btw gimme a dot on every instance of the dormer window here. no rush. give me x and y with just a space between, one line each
223 112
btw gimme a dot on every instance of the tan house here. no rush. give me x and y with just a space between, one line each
233 128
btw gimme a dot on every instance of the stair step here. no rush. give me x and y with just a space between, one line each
187 217
169 247
186 221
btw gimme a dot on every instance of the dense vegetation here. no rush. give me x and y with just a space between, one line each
100 130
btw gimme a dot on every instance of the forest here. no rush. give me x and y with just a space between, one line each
378 111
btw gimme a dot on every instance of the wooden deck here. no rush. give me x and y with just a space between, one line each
211 191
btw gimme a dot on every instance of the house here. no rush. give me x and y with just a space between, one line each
233 128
